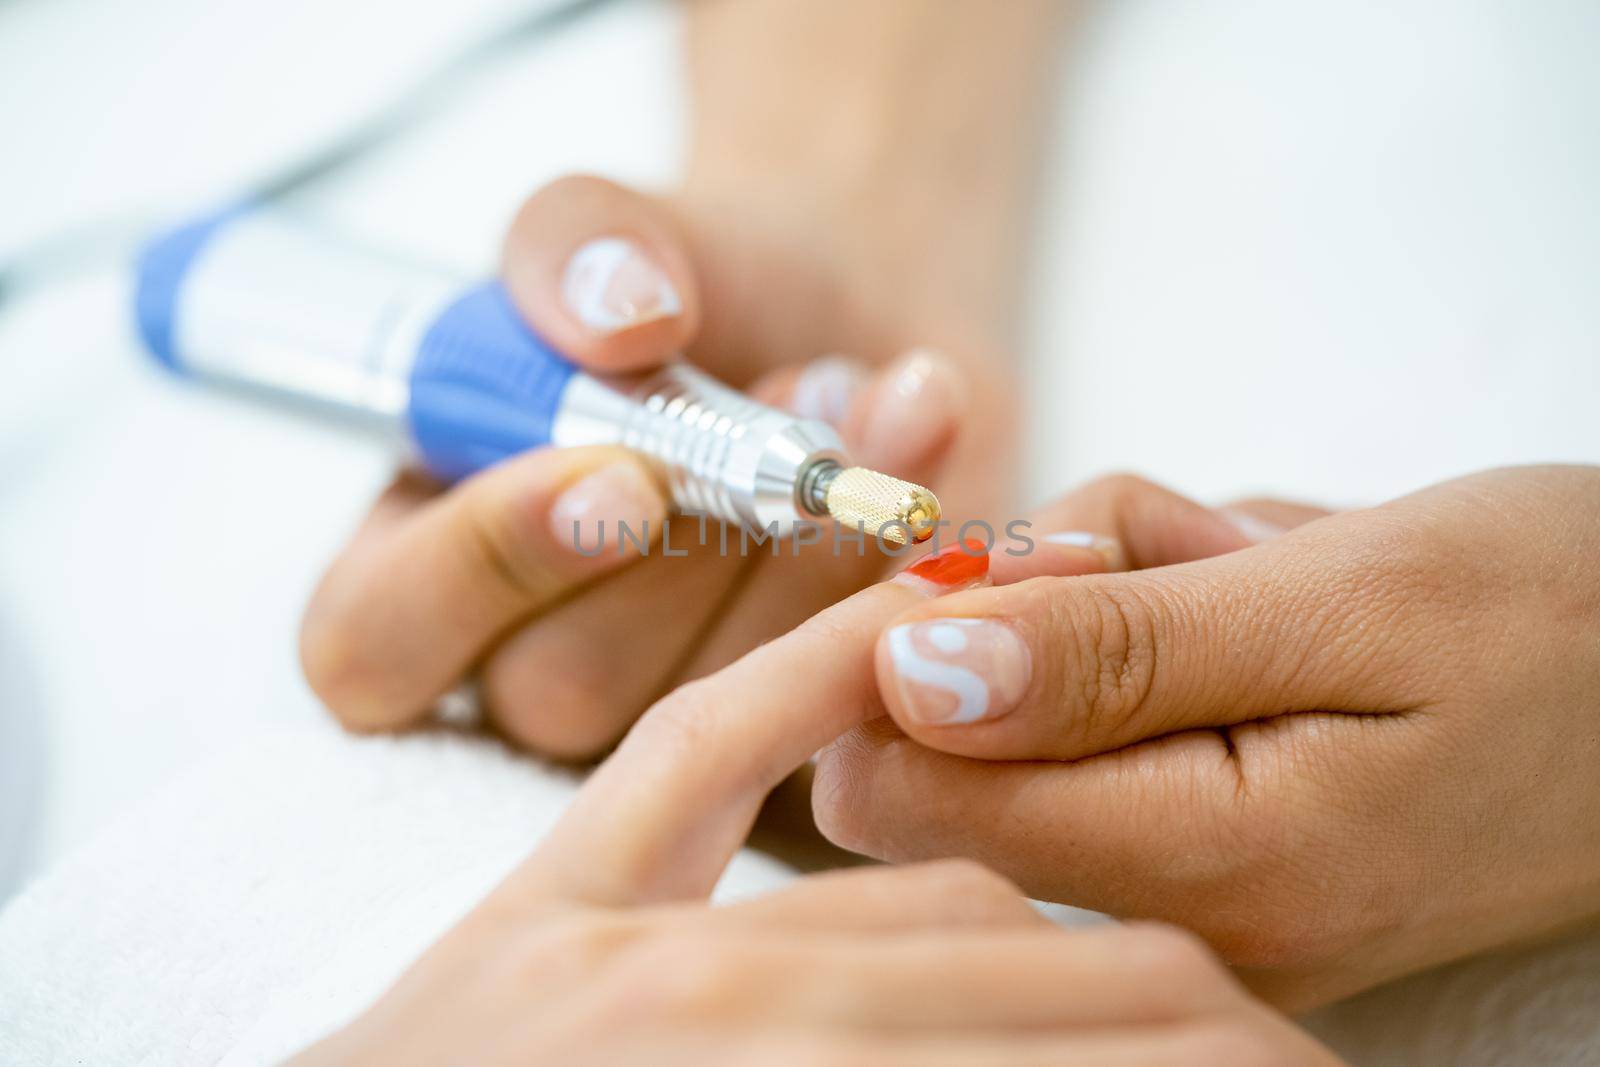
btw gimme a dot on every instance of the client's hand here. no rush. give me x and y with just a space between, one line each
601 948
1358 749
488 576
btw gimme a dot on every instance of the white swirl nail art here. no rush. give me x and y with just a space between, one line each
609 285
970 691
1075 538
1108 547
826 388
1255 529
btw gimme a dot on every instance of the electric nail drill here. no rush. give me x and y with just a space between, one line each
252 298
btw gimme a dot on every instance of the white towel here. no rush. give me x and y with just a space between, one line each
1536 1006
250 908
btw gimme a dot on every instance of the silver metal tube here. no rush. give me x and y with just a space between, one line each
718 452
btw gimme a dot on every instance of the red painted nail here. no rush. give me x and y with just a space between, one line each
962 563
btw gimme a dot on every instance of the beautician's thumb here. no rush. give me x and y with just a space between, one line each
1062 668
600 272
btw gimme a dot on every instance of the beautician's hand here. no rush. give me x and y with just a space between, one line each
875 213
1361 748
600 948
488 575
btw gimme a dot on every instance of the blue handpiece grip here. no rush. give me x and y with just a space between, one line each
158 280
484 386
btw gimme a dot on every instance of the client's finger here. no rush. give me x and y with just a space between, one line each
601 273
660 819
570 682
1116 523
1099 833
426 586
1263 518
1062 668
952 981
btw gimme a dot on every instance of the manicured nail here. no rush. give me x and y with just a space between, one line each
1255 530
826 388
913 412
952 568
950 671
1110 548
610 285
588 516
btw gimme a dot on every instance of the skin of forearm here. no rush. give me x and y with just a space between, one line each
905 132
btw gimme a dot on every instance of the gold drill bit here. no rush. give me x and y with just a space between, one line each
883 506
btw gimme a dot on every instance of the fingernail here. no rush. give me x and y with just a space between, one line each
610 285
826 388
1110 548
589 515
913 412
963 565
1255 530
950 671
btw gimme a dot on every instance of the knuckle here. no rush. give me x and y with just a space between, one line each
336 672
848 786
1279 936
835 797
834 815
964 879
684 721
1395 561
1435 574
1241 886
490 539
684 977
569 948
828 629
1165 949
1120 485
1252 911
566 738
553 712
566 741
1111 656
324 657
1387 603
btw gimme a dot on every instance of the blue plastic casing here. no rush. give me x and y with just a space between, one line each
158 279
484 386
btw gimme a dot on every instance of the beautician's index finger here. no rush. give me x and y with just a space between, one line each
660 819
